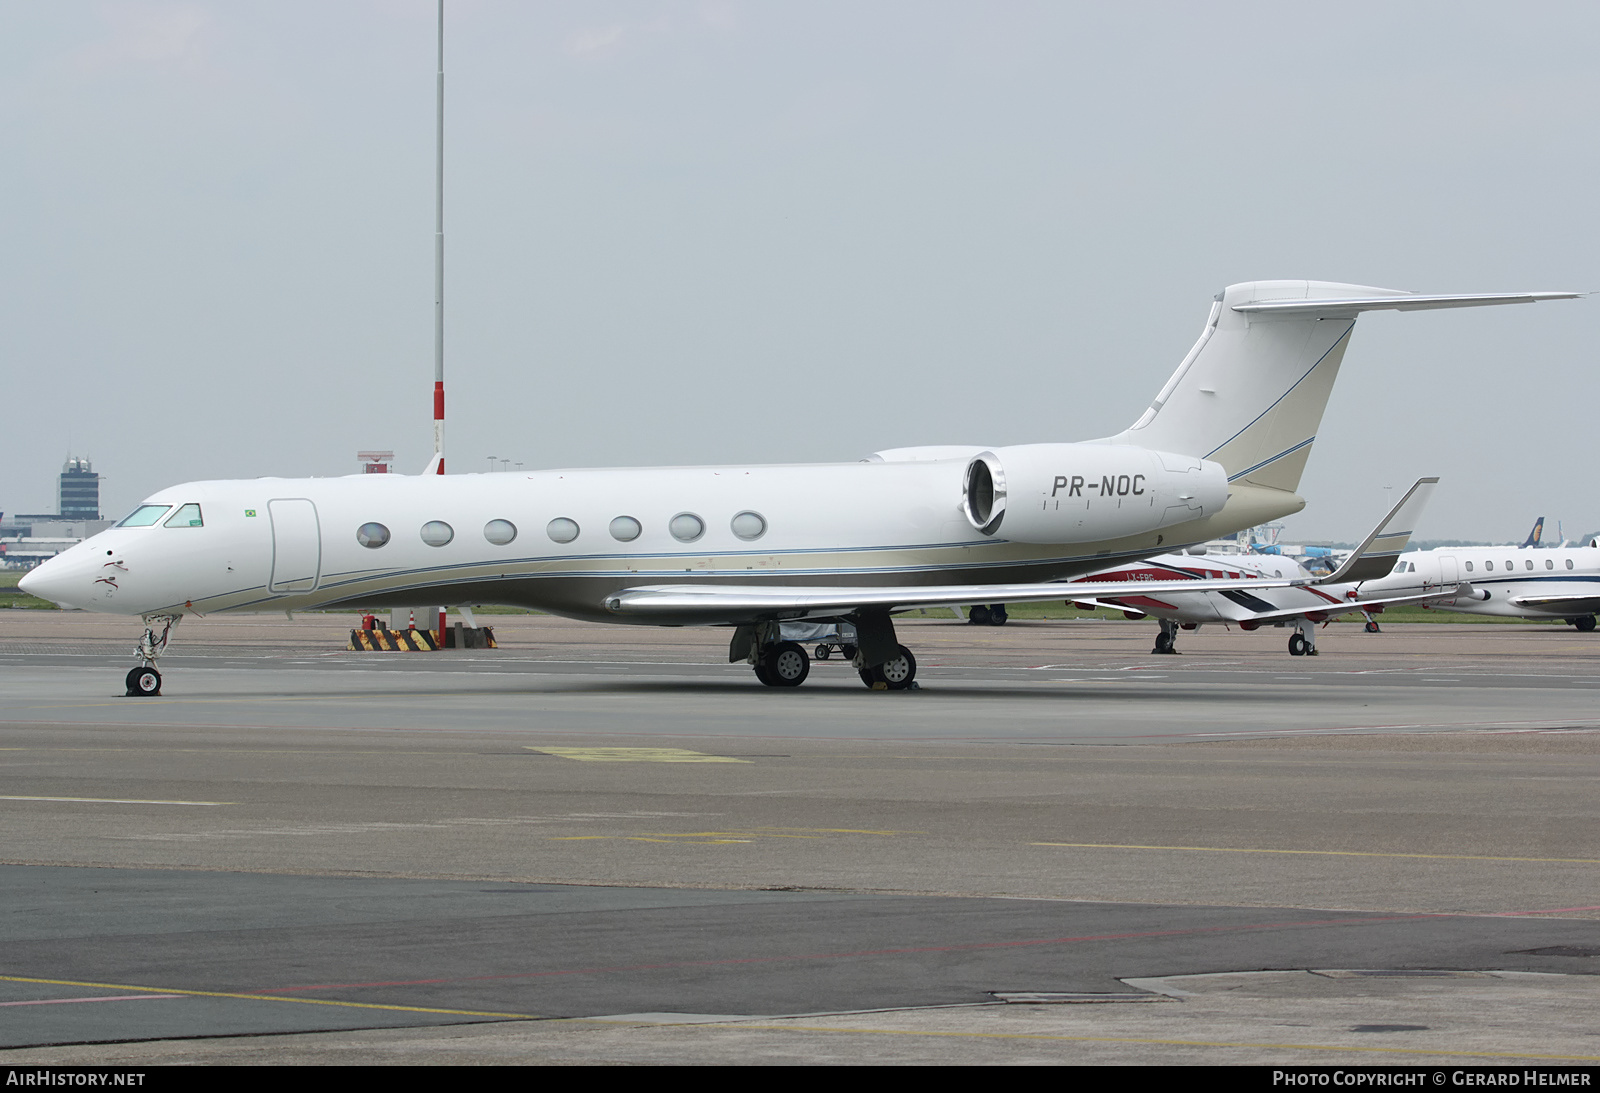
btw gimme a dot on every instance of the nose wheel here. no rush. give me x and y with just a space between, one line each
144 683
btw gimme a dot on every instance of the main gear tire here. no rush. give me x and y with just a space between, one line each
787 664
896 674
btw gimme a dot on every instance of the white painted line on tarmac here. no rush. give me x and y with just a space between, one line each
115 801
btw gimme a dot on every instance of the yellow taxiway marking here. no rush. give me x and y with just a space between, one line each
1173 1043
267 998
1323 853
115 801
637 755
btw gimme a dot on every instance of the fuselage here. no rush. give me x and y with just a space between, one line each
1506 580
1236 606
558 540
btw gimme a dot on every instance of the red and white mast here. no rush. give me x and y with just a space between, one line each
438 270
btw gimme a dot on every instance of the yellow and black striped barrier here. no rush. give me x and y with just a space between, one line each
393 641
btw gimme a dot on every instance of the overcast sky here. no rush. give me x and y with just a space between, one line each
686 232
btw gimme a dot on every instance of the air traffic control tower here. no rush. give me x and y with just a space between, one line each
78 495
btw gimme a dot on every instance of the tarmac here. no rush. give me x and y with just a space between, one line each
608 845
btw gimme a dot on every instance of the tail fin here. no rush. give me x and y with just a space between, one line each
1533 536
1375 556
1251 392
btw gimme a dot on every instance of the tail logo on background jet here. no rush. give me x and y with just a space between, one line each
1533 536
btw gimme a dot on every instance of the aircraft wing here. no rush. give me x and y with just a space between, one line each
745 602
1346 607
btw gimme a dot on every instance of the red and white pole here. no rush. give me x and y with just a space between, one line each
438 282
438 264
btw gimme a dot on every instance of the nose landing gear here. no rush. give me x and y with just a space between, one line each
144 681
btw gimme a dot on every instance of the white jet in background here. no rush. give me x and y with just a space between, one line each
1553 583
1220 449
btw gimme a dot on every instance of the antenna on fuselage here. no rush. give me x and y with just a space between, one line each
438 268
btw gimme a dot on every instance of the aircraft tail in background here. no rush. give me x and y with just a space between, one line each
1533 536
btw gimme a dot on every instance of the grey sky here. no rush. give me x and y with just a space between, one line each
717 232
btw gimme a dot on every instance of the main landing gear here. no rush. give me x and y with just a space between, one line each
882 662
1584 623
1303 642
144 681
987 614
1167 638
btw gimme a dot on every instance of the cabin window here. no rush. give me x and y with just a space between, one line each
1469 567
500 532
1510 565
143 516
686 527
749 526
1569 563
1489 566
1527 563
437 533
562 530
187 516
372 536
625 529
1548 564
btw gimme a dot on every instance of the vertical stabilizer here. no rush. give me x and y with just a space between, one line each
1536 534
1251 392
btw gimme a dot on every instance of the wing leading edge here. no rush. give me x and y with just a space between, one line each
749 603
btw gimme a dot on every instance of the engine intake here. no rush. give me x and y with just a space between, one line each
1074 493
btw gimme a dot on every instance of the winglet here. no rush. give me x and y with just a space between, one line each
1375 556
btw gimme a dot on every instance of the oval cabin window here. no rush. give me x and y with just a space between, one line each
749 526
437 533
686 527
562 530
372 535
500 532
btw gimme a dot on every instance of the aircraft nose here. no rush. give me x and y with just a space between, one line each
49 581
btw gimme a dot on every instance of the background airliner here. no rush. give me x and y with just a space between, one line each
1221 448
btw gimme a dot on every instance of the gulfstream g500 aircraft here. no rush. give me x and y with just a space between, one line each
1221 448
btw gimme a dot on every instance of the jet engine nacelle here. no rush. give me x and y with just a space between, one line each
1072 493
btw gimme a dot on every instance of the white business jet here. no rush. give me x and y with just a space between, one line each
1512 582
1221 448
1313 599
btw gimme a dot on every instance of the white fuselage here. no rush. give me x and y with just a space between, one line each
1506 580
275 544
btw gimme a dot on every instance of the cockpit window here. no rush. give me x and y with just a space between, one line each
188 516
144 516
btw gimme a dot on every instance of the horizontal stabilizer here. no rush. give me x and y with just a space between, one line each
1349 307
1375 556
